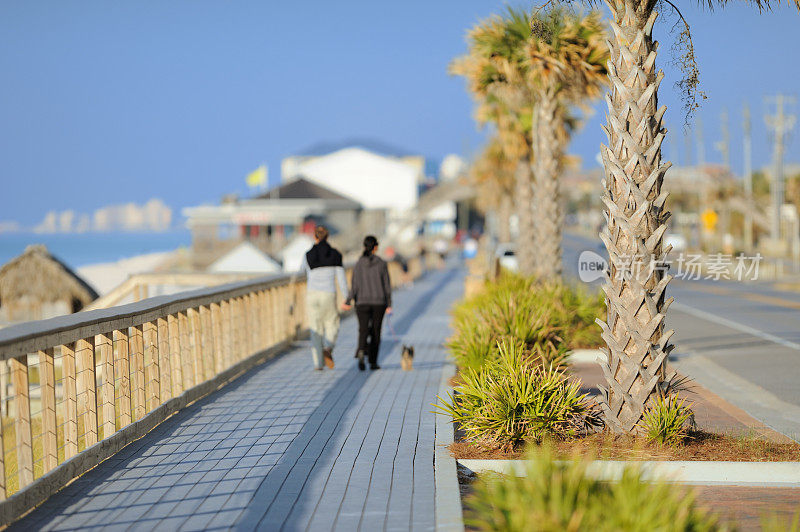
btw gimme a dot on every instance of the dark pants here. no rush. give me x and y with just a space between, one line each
370 319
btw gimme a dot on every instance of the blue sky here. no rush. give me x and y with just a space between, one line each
108 102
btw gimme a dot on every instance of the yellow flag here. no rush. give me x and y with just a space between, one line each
258 177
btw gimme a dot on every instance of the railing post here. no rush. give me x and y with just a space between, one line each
287 319
227 334
275 318
87 389
70 401
216 326
152 369
22 424
137 363
175 355
236 327
206 343
122 376
47 385
186 347
106 351
196 344
269 317
294 315
166 391
263 342
301 305
250 329
280 315
244 328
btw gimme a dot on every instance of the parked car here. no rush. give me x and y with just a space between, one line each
677 241
507 256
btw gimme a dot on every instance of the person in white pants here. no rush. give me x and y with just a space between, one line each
322 265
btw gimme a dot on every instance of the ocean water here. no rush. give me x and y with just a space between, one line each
78 250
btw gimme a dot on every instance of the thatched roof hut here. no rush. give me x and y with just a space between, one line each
37 285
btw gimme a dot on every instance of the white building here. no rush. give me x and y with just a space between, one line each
292 254
245 258
377 181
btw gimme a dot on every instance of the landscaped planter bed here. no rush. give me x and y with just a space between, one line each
700 446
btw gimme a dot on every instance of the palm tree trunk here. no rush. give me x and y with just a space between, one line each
504 218
526 246
634 203
546 193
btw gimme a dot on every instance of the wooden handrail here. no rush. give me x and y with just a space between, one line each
106 377
26 337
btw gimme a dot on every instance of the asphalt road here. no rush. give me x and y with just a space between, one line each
741 340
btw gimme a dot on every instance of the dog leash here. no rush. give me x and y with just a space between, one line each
391 328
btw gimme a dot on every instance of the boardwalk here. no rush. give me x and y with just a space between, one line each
286 448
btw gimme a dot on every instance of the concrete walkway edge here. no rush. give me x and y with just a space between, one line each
449 514
766 474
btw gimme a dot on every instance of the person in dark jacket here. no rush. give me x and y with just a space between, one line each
371 292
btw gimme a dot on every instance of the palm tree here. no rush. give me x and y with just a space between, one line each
567 56
537 78
492 69
493 174
637 343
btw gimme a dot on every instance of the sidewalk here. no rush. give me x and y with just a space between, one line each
284 447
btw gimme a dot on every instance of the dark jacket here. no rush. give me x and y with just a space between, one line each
370 284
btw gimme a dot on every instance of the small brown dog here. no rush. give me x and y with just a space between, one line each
407 358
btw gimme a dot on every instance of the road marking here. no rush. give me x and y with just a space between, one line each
772 300
735 325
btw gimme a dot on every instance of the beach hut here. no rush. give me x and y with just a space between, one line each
36 285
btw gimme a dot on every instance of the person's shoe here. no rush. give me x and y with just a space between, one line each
374 366
327 357
317 369
360 357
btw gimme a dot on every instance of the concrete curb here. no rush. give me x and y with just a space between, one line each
449 514
705 473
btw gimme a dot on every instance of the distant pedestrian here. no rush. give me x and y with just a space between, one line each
440 246
371 291
323 266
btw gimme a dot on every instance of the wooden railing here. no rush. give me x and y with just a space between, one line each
85 385
138 286
104 378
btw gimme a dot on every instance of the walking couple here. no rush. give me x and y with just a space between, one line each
370 291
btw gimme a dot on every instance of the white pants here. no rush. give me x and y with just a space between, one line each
323 320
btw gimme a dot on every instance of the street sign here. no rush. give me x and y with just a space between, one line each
709 219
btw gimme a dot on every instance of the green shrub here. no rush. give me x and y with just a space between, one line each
548 319
515 398
558 495
667 420
775 523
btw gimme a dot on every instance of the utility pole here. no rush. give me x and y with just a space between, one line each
701 148
780 124
724 145
688 140
747 151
